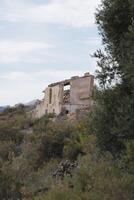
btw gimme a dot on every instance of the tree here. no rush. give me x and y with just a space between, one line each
114 113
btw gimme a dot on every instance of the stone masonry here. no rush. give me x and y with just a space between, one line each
66 97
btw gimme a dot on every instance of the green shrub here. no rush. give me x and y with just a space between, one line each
9 185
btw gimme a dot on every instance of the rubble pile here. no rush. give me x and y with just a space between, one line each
66 97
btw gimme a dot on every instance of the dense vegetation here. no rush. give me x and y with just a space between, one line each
48 159
87 159
114 119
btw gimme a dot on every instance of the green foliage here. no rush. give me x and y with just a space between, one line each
9 134
113 119
32 151
29 160
72 150
40 125
51 147
14 117
60 140
102 176
115 19
95 178
9 185
128 157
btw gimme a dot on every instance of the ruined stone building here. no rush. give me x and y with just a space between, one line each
66 97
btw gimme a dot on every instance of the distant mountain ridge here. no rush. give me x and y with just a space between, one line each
29 104
32 103
2 108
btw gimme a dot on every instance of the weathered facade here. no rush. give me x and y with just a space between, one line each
66 97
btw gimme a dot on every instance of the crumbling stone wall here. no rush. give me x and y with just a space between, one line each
57 99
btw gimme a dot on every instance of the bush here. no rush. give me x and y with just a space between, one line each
9 185
95 178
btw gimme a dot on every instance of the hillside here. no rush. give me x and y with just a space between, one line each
58 160
90 158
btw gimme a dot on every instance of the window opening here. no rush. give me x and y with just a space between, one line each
50 96
66 96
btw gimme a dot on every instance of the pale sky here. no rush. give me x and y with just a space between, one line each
43 41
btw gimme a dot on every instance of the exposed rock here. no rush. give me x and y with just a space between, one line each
65 168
